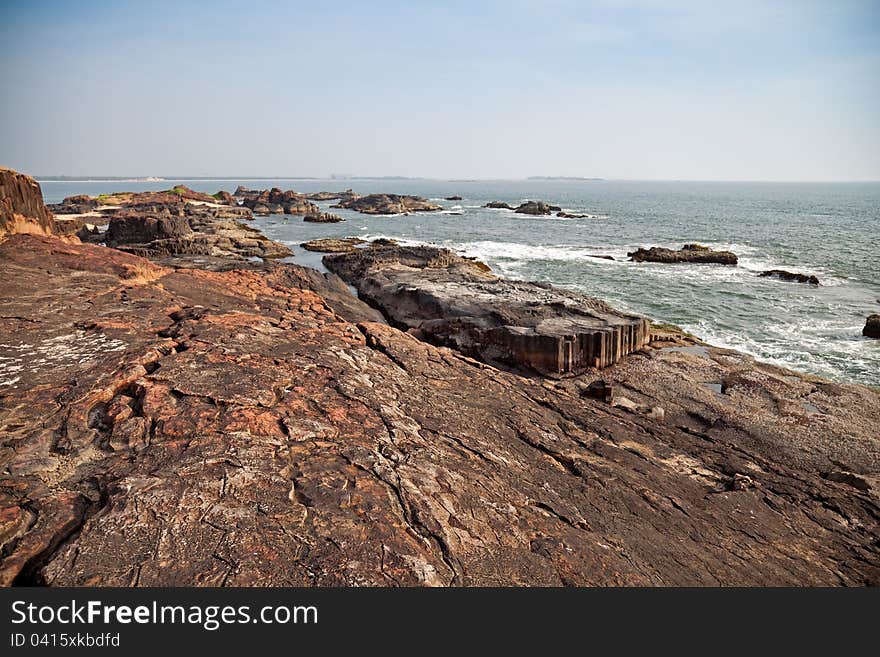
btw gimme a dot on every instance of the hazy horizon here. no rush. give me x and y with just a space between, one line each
628 90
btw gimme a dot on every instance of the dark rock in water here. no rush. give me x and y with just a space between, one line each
261 209
567 215
184 192
277 208
602 257
161 231
332 245
80 204
323 218
537 208
453 198
695 253
455 301
328 196
387 204
21 205
498 205
872 327
792 277
302 206
226 198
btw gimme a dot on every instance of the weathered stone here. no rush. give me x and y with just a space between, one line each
387 204
453 198
333 245
537 208
792 277
187 427
695 253
21 206
323 218
872 327
498 205
456 301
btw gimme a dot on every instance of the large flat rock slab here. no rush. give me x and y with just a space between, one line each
454 301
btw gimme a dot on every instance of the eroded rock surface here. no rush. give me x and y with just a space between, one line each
872 327
164 426
21 205
688 253
323 218
458 302
387 204
537 208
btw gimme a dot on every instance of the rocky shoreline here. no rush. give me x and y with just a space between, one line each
203 419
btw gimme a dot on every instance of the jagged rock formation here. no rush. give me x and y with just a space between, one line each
387 204
537 208
872 327
333 245
791 277
454 301
21 205
187 229
80 204
276 201
688 253
323 218
328 196
164 426
498 205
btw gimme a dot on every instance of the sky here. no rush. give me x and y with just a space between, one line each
635 89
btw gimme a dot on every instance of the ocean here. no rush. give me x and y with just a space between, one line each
831 230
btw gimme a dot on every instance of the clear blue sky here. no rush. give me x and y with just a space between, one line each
626 89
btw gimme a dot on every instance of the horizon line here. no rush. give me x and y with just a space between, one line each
584 179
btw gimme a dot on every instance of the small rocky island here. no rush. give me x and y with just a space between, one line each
692 253
180 420
386 204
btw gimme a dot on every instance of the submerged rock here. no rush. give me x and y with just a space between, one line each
792 277
696 253
567 215
498 205
872 327
333 245
453 198
537 208
455 301
387 204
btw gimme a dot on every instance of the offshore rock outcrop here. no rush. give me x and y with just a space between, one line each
386 204
790 277
455 301
537 208
498 205
695 253
174 426
323 218
872 327
333 245
21 205
161 231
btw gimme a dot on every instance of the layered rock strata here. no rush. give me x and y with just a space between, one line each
454 301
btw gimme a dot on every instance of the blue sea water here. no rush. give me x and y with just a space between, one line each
831 230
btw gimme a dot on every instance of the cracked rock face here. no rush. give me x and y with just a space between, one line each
232 428
21 205
454 301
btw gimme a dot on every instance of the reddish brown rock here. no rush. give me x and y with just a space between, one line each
222 428
21 206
